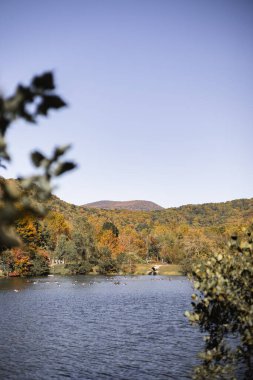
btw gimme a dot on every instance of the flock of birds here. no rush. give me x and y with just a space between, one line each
117 282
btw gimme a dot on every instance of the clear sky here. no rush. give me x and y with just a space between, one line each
160 95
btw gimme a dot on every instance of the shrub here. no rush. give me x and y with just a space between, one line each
223 307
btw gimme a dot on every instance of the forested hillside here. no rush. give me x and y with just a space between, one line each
112 241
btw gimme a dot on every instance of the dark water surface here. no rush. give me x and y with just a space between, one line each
96 328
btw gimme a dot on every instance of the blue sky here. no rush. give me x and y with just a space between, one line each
160 95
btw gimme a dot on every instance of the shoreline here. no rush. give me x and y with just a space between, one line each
139 270
134 270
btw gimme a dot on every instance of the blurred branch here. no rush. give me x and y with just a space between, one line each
28 103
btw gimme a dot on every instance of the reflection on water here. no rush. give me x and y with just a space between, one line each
96 328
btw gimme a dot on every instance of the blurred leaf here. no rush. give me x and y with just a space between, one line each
25 93
44 81
64 167
3 125
60 150
48 102
8 237
37 158
27 116
11 192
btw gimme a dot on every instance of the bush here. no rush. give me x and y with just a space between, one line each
223 307
108 266
40 266
79 268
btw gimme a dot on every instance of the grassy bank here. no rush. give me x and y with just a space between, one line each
164 269
139 269
59 269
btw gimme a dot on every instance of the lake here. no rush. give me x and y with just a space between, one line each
92 327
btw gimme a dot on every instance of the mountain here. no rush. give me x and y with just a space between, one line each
126 205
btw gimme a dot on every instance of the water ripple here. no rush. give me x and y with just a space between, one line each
96 328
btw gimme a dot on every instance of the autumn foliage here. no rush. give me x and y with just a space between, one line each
115 240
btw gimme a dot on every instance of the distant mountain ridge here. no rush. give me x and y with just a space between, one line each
140 205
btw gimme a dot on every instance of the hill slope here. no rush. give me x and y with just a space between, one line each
113 234
126 205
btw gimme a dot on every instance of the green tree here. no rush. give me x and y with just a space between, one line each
7 263
106 264
65 249
40 265
83 238
153 249
109 226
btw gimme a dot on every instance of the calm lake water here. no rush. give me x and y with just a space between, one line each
96 328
